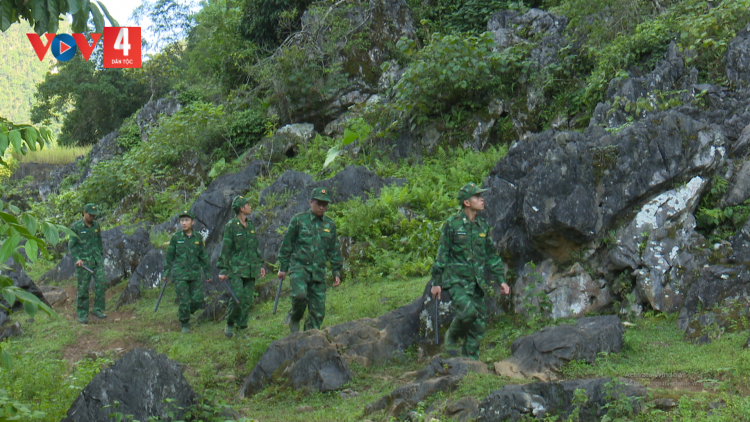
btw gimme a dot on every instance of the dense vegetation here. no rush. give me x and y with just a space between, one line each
242 71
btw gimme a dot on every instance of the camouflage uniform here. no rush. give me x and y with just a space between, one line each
87 247
186 257
465 257
240 261
309 242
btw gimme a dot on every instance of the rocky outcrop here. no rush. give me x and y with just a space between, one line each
537 400
559 190
106 149
633 97
20 279
657 244
737 58
440 375
148 274
144 383
148 116
572 292
305 361
123 252
290 195
54 295
64 270
13 330
540 355
318 360
716 300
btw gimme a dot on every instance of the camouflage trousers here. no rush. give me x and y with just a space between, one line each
468 321
310 295
189 297
84 284
244 289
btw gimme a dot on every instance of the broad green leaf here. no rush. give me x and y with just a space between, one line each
65 230
8 247
7 359
38 9
18 257
5 281
98 18
7 15
3 141
106 13
74 6
31 308
332 154
9 218
51 234
27 297
16 140
30 223
32 250
54 22
9 297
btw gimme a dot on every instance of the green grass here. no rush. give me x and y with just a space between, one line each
51 369
53 155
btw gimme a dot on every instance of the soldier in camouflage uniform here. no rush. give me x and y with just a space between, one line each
309 242
186 257
465 253
87 250
240 263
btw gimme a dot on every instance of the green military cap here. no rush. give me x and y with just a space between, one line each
469 190
187 214
238 202
92 209
321 194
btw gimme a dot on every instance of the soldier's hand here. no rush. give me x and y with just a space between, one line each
336 281
262 272
79 263
281 274
436 290
222 277
505 289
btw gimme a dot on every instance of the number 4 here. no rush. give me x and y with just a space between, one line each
121 43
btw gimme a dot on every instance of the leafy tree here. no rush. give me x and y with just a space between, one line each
89 101
171 20
44 15
268 22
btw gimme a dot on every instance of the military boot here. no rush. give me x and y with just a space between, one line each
229 331
99 314
293 326
185 329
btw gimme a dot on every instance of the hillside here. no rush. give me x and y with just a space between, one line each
20 72
613 138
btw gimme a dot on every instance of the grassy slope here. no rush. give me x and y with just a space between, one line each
52 367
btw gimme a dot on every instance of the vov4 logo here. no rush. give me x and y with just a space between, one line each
122 46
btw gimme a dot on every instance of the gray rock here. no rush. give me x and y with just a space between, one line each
559 189
305 361
536 400
573 292
366 341
148 274
13 330
740 147
657 244
141 381
737 58
541 354
123 252
64 270
106 149
440 375
21 280
465 409
718 296
303 131
741 245
669 75
149 115
54 295
739 190
3 314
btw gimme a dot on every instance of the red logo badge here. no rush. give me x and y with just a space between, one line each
122 47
